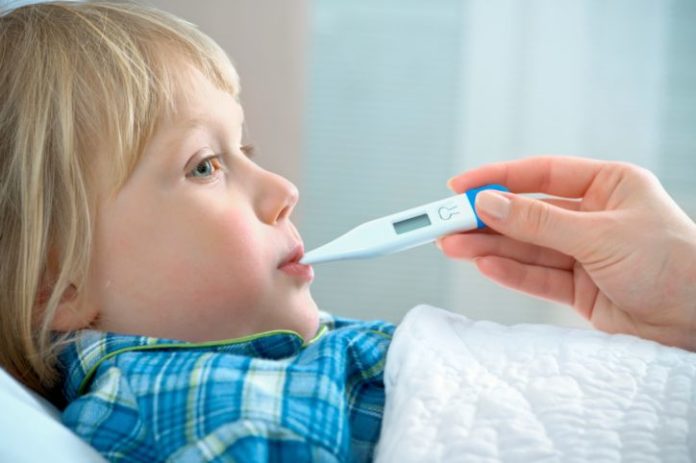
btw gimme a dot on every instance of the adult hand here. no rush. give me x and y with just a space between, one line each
622 253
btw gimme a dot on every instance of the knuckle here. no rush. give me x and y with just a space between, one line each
647 176
536 217
637 173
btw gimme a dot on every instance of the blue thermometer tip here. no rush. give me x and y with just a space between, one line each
471 194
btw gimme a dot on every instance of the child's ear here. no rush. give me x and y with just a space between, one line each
70 316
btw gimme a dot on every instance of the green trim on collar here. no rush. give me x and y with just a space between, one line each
192 345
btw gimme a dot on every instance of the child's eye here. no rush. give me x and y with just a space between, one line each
206 167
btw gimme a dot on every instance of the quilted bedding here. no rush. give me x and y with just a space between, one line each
463 390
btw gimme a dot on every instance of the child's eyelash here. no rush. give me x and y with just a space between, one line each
248 150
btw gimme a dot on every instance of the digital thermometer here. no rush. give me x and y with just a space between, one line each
404 230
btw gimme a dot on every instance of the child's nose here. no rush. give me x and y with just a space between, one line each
276 199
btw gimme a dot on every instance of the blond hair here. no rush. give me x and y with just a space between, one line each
78 80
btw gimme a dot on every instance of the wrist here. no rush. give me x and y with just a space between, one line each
677 314
691 302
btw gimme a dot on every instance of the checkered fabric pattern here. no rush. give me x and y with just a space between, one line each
266 397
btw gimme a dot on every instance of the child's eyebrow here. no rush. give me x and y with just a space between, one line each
191 124
199 121
177 132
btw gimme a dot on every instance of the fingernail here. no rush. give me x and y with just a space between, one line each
438 244
449 183
493 204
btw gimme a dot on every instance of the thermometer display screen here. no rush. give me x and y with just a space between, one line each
414 223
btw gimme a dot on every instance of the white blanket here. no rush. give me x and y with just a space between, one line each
461 390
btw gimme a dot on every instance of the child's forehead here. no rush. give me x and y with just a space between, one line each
200 113
196 100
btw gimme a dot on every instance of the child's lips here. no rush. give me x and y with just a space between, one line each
295 254
304 272
292 266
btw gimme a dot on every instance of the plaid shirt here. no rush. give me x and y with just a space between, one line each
265 397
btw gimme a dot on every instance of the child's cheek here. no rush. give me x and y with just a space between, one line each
232 274
234 253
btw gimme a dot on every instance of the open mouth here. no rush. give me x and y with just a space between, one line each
294 256
292 266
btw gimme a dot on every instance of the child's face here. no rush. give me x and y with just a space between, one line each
190 247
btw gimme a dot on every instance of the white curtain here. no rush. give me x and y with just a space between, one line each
403 94
564 77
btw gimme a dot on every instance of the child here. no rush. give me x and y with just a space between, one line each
148 267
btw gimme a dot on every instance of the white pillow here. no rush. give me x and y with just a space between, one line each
31 431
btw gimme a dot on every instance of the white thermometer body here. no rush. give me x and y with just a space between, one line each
404 230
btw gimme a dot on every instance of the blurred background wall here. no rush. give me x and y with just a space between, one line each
369 106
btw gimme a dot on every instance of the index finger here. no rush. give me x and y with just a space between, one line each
565 176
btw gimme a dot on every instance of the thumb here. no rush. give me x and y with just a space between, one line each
533 221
